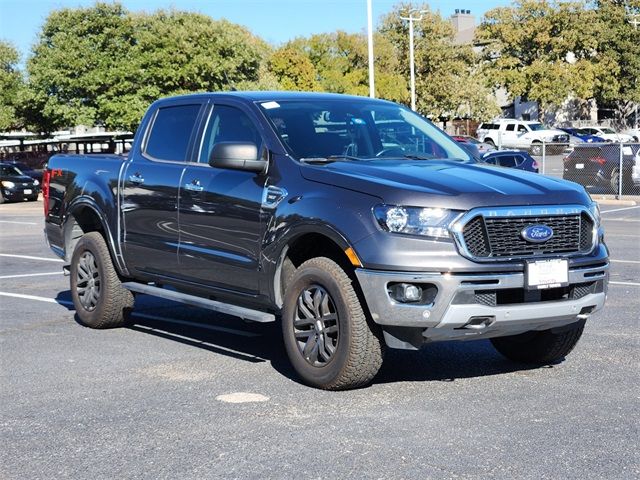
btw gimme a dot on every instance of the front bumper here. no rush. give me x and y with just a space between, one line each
481 305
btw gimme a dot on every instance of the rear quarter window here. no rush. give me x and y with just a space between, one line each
171 132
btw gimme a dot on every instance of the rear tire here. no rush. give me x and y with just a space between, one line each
329 340
488 141
96 290
541 347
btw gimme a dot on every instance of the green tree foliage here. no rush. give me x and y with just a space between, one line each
548 51
103 65
447 81
619 44
11 85
293 69
341 65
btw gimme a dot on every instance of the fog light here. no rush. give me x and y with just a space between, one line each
405 292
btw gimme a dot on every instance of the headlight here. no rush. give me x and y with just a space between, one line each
428 222
36 182
8 184
594 208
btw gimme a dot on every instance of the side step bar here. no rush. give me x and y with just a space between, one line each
242 312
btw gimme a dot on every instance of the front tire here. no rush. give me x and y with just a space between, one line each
329 340
96 290
536 148
543 347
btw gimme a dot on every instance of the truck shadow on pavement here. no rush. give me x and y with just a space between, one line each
262 342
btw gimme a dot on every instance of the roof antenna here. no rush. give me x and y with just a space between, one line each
232 87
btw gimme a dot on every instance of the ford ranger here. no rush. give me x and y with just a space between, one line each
354 223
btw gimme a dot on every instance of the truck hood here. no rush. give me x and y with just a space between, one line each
446 184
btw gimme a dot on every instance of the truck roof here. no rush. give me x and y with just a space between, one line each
260 96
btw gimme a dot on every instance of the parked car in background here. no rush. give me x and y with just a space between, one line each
522 134
606 133
634 132
26 169
598 166
480 147
635 170
15 185
511 159
578 136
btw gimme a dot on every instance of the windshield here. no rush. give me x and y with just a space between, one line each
607 130
321 129
8 170
536 126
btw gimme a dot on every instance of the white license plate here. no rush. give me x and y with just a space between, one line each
547 274
28 192
579 166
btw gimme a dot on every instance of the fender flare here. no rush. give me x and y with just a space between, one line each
88 202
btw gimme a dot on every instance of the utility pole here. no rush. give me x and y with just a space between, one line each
635 21
372 88
412 19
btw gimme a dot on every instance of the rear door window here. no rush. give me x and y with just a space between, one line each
511 127
507 161
171 132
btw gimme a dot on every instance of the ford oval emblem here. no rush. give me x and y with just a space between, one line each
537 233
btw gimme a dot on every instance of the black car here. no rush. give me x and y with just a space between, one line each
26 169
15 185
512 159
598 166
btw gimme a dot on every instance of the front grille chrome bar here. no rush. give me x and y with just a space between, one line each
475 220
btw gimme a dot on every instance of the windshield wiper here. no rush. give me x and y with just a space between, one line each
418 157
329 159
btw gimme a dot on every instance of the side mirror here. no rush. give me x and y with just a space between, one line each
237 156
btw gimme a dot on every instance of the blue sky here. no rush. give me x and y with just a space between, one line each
274 20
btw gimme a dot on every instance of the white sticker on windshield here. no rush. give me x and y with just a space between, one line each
270 105
358 121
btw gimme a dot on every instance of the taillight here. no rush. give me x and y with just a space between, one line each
535 165
600 160
46 178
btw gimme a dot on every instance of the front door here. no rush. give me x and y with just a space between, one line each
220 210
150 194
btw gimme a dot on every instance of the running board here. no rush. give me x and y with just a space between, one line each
242 312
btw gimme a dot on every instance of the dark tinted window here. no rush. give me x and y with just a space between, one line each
171 132
228 124
511 127
507 160
522 128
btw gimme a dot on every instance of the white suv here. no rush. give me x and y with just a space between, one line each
608 134
510 133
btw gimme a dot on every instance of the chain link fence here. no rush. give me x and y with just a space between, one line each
607 168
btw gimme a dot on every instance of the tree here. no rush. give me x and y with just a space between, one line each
293 69
103 65
547 52
11 85
619 48
447 82
341 64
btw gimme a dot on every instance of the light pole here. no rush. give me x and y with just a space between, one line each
412 19
635 21
372 88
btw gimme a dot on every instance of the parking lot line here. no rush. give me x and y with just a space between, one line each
34 297
28 257
624 261
633 284
619 209
19 223
34 274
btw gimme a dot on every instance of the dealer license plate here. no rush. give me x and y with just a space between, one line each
547 274
28 192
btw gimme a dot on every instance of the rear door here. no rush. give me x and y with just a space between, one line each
220 209
510 135
150 189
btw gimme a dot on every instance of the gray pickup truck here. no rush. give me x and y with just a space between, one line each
355 223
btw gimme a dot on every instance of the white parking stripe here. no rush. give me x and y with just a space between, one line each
28 257
34 297
19 223
633 284
35 274
624 261
232 331
619 209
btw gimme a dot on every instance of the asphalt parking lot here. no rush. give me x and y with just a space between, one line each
185 393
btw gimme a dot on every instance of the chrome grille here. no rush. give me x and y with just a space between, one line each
500 237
